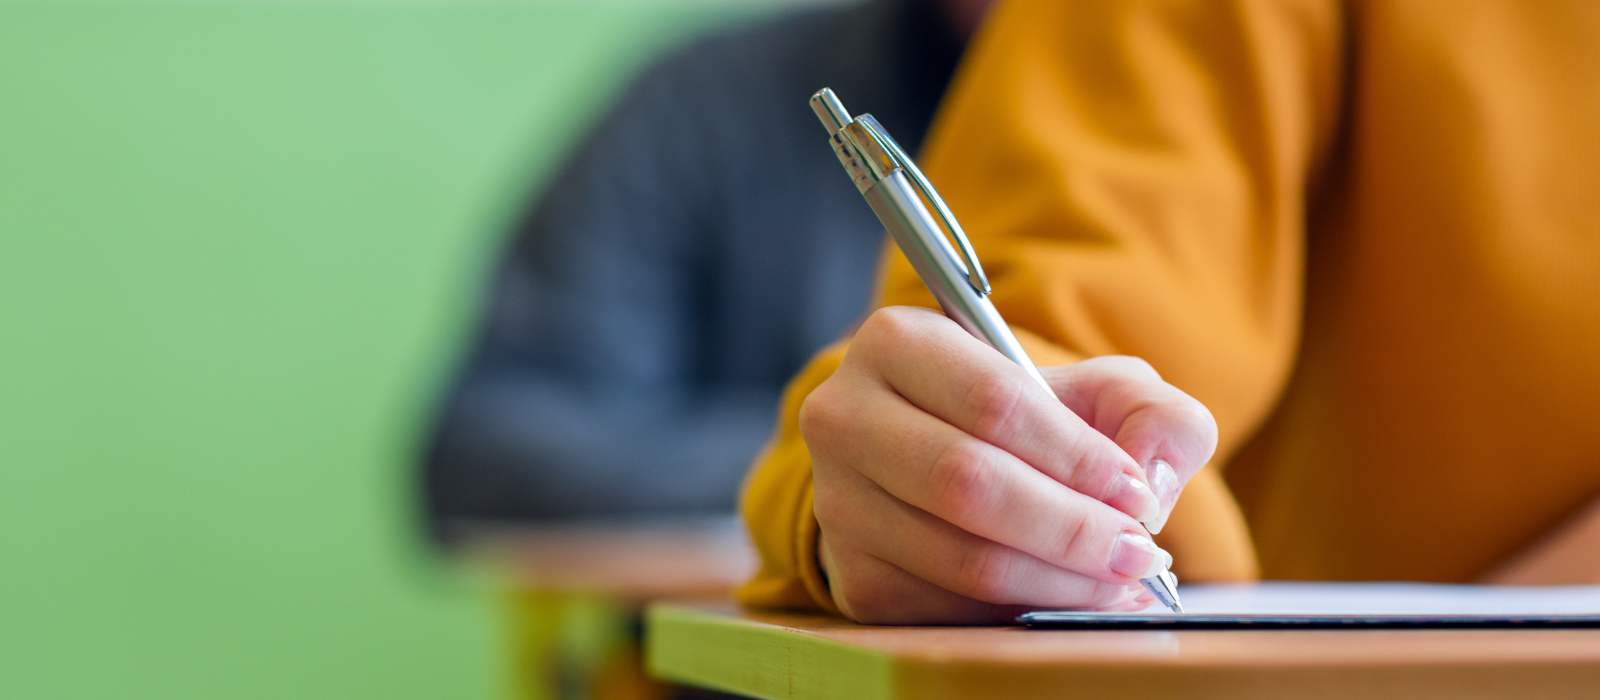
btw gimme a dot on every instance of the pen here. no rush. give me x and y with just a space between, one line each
891 182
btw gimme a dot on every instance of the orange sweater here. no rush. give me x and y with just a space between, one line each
1365 234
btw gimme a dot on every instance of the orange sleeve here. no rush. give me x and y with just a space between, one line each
776 505
1132 174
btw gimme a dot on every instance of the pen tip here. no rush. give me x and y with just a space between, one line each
1177 607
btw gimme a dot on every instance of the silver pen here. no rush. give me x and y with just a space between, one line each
891 182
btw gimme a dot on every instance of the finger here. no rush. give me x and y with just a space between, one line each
973 485
944 371
1138 598
877 523
872 591
1168 432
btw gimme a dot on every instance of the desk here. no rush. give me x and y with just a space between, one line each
630 561
784 656
576 591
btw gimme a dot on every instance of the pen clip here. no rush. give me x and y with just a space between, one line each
975 276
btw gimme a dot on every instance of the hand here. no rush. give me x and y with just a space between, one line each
1568 555
952 488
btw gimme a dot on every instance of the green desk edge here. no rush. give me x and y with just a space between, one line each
710 650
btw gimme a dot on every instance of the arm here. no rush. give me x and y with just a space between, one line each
581 397
1133 175
1137 172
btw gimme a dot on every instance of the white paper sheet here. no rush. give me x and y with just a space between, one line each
1296 598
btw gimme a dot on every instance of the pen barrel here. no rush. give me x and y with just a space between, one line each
924 243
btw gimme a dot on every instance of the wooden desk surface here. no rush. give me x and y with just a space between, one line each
773 655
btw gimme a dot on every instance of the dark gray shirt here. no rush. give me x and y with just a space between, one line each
694 252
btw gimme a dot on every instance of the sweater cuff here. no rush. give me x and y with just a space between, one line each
777 506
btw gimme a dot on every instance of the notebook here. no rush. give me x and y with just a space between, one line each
1296 605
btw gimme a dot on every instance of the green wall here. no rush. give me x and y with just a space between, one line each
239 244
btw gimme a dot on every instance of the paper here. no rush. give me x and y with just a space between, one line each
1356 599
1293 605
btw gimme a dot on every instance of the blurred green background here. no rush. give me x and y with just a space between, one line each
240 243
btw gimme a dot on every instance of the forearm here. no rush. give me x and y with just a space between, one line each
520 446
1148 207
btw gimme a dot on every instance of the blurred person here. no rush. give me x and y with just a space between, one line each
694 251
1357 247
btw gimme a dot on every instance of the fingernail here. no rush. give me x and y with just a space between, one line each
1138 556
1165 485
1164 482
1131 496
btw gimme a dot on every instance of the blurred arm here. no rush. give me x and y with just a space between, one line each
584 395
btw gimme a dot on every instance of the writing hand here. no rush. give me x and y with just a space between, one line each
952 488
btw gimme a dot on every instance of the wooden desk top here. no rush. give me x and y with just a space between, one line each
774 655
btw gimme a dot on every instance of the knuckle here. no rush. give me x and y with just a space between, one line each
960 480
1077 534
1187 420
812 413
821 412
1132 366
1086 458
1179 406
890 325
991 403
986 573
